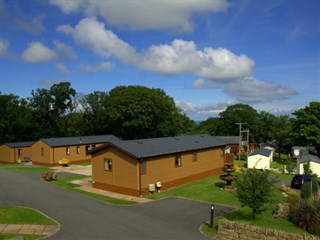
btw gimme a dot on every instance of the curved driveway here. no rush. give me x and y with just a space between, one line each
84 218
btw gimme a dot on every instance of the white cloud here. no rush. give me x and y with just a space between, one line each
183 56
104 66
221 64
37 52
251 90
201 83
62 68
4 45
202 111
68 6
142 15
178 57
214 68
92 34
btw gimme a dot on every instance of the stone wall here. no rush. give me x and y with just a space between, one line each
228 230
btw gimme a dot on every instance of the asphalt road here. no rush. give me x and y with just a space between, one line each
84 218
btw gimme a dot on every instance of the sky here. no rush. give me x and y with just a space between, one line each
205 54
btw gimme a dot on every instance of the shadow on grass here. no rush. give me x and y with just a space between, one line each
219 184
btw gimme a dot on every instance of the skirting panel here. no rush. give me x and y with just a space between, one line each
117 189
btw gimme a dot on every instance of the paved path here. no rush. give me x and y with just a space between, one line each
47 230
81 217
86 185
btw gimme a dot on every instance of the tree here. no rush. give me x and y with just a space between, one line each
306 126
51 108
95 117
140 112
15 119
266 124
235 114
211 126
282 133
253 189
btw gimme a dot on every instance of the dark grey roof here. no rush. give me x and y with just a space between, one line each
261 151
81 140
229 139
143 148
19 144
305 157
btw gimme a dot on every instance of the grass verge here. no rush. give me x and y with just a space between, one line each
85 163
19 236
65 183
22 215
28 169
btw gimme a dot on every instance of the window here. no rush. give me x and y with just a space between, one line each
178 161
42 152
68 150
19 152
143 167
108 165
194 157
87 148
78 149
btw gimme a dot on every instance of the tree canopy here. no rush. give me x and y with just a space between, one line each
132 112
306 126
140 112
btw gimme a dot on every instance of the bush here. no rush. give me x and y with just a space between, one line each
305 213
309 189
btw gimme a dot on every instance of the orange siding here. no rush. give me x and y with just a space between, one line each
74 156
125 177
162 169
42 157
25 151
6 154
124 174
52 155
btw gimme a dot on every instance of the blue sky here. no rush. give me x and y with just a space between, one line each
205 54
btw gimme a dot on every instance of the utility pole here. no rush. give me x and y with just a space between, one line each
240 140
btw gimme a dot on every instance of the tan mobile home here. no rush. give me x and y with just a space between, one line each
137 167
14 152
49 151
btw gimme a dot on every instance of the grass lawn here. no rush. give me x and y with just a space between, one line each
16 236
84 163
28 169
65 183
22 215
210 190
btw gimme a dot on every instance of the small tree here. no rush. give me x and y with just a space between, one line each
307 168
253 189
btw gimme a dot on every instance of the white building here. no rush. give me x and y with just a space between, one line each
260 158
314 160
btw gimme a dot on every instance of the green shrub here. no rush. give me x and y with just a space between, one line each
305 213
306 191
309 189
